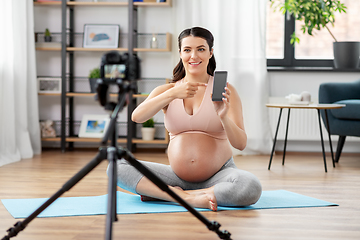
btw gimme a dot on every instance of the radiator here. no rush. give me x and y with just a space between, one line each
303 124
303 132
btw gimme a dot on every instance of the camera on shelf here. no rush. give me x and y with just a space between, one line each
122 70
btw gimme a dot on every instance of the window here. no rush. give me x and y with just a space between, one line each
275 34
313 51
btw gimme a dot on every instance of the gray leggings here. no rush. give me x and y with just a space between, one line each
233 187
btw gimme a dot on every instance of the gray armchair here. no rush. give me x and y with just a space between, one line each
344 121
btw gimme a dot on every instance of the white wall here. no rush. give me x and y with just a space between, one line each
284 83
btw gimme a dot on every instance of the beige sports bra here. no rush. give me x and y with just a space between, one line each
204 120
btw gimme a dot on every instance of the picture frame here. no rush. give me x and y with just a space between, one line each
94 126
101 36
49 85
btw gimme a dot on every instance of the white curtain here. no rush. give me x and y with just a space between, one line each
239 29
19 117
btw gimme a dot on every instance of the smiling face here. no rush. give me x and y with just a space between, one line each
195 54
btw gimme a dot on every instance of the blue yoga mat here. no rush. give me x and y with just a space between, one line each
130 204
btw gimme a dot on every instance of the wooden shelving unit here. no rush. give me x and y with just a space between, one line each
68 50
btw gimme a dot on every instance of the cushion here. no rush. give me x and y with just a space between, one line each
350 112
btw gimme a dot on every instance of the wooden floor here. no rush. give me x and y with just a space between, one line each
302 173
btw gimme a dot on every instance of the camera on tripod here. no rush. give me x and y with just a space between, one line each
122 70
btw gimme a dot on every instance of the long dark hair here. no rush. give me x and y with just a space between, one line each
179 70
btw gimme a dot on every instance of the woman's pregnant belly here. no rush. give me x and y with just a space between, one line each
195 157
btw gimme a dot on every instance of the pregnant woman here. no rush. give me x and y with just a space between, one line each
201 170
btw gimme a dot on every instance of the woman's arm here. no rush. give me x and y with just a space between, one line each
160 98
231 117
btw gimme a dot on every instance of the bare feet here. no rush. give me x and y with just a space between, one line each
202 198
205 200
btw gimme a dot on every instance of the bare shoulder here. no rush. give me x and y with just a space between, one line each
234 93
235 111
231 87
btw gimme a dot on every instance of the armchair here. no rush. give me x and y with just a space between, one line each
345 121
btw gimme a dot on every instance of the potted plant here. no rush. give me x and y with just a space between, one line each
94 75
148 130
317 14
47 36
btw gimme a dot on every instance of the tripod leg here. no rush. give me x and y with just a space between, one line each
213 226
19 226
111 205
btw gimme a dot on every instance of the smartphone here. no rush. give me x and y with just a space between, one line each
219 85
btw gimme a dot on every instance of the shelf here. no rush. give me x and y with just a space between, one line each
80 49
93 95
89 95
98 140
56 45
140 95
49 94
48 49
77 49
71 94
166 49
57 3
155 141
99 4
139 4
76 139
52 139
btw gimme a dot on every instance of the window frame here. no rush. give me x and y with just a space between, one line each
289 60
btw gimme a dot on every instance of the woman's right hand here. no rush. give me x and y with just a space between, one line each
161 96
186 89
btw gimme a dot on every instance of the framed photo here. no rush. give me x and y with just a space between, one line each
94 126
101 36
49 85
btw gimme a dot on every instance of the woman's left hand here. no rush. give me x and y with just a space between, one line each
222 107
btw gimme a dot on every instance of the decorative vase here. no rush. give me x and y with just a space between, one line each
47 38
93 84
148 133
154 42
346 55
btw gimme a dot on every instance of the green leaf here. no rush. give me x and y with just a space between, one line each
315 14
94 73
47 32
149 123
294 39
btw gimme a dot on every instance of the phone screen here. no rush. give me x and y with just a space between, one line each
219 85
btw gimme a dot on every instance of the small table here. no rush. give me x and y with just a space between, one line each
318 107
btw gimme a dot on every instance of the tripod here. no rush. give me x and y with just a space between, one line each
112 153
